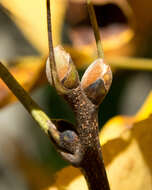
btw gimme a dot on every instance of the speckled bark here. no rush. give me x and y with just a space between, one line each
90 155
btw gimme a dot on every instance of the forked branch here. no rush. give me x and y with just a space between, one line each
84 97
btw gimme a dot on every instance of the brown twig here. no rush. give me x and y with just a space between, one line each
90 157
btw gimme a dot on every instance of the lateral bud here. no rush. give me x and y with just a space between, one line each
65 68
96 81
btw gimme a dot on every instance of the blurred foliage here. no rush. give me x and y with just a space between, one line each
27 71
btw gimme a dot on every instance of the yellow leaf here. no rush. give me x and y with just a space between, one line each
115 35
146 109
126 145
119 124
114 128
27 71
117 39
30 16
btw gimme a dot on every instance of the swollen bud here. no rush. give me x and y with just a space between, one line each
96 81
66 71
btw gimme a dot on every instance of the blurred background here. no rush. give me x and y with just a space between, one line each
27 158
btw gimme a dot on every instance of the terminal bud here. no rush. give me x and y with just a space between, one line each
66 71
96 81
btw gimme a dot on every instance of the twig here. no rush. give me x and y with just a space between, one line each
55 79
50 41
95 28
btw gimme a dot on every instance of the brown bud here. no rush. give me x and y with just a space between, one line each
96 81
66 70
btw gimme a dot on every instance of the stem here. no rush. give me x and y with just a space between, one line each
30 105
55 79
50 41
91 161
95 28
94 171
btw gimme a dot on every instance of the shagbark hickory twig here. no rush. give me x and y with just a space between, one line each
80 144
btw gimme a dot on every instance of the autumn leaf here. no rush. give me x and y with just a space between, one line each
30 16
83 58
121 36
27 71
117 39
126 145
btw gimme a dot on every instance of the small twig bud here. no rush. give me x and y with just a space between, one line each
96 81
66 70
